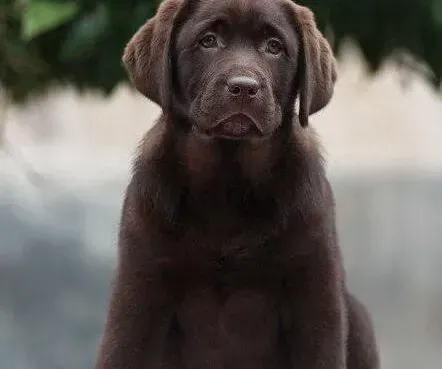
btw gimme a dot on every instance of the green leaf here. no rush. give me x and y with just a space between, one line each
85 34
41 16
437 12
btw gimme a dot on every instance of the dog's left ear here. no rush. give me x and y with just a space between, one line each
317 65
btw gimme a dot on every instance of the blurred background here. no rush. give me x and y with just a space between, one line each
69 124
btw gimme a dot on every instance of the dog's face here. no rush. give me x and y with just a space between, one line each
235 64
233 68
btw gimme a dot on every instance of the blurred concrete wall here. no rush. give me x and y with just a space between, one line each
61 189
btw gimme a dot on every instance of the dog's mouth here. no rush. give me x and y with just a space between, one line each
236 126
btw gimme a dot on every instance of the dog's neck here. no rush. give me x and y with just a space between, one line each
216 160
225 178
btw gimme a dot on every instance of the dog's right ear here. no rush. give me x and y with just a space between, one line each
145 54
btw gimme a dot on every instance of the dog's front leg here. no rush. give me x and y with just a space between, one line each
137 324
140 310
316 329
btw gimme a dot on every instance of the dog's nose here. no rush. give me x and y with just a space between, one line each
243 86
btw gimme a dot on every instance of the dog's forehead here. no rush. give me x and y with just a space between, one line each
242 11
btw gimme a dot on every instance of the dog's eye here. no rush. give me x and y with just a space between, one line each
209 41
274 46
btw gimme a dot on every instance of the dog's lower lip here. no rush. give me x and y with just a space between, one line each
236 126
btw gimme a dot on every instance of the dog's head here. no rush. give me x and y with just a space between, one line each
232 68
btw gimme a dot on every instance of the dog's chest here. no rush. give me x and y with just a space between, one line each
229 291
194 263
226 331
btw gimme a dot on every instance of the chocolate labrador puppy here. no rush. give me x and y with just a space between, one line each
228 254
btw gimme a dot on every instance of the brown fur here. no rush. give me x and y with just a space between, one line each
228 254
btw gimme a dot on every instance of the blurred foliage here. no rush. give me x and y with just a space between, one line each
47 42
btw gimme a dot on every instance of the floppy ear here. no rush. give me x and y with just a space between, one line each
146 58
317 65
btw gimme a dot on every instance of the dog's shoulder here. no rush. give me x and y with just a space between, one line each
152 144
307 142
153 186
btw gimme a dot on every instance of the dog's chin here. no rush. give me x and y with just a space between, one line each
237 126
